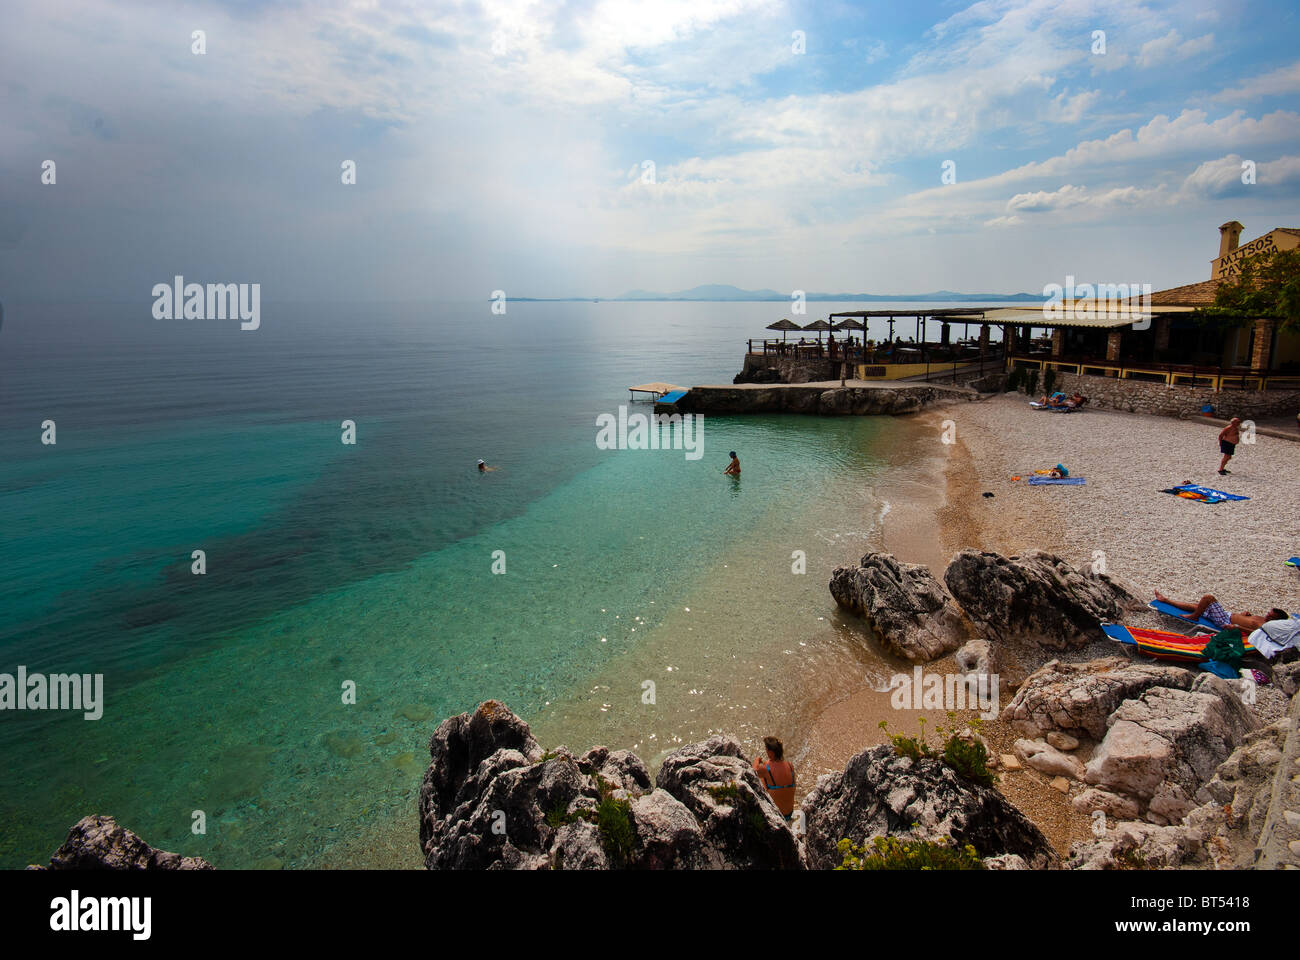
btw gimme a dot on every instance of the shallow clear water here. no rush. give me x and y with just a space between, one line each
372 564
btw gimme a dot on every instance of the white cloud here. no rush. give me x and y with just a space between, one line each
1171 48
1279 82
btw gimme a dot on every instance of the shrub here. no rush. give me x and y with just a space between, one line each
1031 382
1014 379
1049 380
968 759
897 853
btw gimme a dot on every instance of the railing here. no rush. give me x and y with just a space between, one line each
1173 374
856 353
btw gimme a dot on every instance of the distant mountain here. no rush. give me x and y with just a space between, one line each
726 292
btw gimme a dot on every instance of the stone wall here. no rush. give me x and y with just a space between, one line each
769 368
1139 396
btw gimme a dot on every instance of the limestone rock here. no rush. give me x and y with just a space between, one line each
1163 746
1045 758
1062 741
1037 597
903 603
1078 698
881 793
976 657
737 818
99 843
491 799
1137 846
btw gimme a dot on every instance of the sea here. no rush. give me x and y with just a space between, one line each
281 618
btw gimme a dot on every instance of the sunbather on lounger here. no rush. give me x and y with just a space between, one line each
1210 608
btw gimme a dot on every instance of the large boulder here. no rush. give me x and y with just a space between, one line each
1162 747
881 793
1037 597
99 843
740 822
1140 846
491 799
902 602
1078 698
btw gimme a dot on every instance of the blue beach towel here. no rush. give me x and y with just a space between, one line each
1203 494
1293 562
1220 669
1056 481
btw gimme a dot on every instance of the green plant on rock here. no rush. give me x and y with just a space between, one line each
901 853
1014 379
969 758
614 823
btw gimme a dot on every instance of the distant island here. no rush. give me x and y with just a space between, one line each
721 292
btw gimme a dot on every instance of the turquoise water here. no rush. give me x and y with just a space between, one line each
371 564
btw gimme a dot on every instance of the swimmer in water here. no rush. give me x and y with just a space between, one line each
484 468
733 468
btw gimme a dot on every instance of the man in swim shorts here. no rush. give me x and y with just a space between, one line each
1229 437
777 775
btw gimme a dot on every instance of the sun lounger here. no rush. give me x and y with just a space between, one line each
1169 610
1035 405
1194 491
1163 645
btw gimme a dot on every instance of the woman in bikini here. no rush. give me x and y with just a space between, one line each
777 775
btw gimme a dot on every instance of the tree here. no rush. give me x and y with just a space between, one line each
1268 286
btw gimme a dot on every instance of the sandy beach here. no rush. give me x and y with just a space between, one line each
1148 539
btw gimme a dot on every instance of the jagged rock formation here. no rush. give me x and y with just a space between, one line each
1078 698
1161 747
1223 832
903 603
880 793
491 799
1036 598
99 843
859 401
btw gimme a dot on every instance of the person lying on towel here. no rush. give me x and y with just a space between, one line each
1210 608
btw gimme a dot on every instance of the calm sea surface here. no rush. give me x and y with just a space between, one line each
331 565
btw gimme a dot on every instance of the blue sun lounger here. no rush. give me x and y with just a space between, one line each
1169 610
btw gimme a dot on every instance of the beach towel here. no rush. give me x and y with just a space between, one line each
1227 646
1293 562
1162 644
1277 635
1059 481
1221 669
1035 405
1169 610
1194 491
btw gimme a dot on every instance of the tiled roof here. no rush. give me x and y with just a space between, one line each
1190 295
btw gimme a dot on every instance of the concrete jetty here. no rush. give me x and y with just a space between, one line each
824 398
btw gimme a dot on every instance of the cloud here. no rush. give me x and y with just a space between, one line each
1279 82
1223 177
1171 48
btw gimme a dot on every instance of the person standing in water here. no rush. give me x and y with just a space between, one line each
733 467
777 775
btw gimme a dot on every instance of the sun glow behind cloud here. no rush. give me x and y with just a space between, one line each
503 145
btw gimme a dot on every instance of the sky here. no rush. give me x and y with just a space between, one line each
588 148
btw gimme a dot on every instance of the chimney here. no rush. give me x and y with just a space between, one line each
1229 236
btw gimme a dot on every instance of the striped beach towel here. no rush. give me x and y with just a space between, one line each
1162 644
